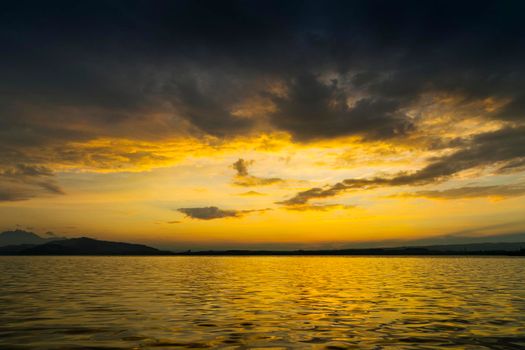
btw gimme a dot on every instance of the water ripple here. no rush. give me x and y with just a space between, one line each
262 302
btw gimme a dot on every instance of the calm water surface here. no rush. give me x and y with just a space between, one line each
262 302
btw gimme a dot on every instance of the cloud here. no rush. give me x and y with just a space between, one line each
243 178
11 195
501 148
195 103
22 182
487 149
241 166
24 170
319 207
252 181
251 194
303 197
210 213
312 109
502 191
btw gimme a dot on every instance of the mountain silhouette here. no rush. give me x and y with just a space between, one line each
89 246
18 237
19 242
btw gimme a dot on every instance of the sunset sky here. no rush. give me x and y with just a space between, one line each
263 124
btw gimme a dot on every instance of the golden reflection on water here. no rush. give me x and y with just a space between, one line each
262 302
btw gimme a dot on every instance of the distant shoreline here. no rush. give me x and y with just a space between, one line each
22 243
291 254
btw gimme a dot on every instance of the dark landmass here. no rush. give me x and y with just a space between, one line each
89 246
14 249
479 247
415 251
497 248
81 246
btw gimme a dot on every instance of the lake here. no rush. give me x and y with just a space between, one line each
262 302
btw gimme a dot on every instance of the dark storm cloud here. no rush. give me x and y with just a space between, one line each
313 109
74 71
243 178
513 110
499 148
210 213
207 107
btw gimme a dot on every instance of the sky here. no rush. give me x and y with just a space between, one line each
263 124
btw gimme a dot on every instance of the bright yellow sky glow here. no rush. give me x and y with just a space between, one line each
130 190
